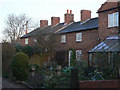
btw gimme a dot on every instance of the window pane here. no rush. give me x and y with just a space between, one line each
110 20
26 41
78 54
116 19
63 39
79 37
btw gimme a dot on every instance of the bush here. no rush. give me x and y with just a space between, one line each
20 66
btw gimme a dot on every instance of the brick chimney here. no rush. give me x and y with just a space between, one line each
55 20
43 23
69 17
85 14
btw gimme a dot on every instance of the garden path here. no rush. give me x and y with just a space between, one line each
6 83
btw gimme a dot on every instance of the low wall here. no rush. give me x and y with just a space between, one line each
99 84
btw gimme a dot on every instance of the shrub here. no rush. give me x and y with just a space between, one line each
20 66
96 75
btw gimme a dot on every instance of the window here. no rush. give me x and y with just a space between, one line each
78 37
26 41
78 55
113 19
63 39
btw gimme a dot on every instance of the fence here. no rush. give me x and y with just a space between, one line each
114 84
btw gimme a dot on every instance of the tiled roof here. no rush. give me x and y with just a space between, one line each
78 26
32 33
45 30
73 27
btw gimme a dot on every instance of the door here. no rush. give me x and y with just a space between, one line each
70 53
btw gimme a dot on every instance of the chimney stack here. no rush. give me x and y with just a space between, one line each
26 27
43 23
67 11
55 20
70 11
69 17
85 14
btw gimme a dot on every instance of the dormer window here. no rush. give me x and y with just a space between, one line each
26 41
113 19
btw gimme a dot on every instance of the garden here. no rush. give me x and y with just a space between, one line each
53 75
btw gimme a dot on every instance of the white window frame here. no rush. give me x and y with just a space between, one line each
78 37
26 41
63 39
113 19
78 54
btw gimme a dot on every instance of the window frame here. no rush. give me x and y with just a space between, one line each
113 19
26 40
78 38
78 57
63 39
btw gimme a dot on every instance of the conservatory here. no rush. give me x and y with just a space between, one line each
106 52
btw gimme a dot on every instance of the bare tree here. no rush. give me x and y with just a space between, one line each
47 43
15 27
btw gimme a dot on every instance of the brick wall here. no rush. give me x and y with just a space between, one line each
30 41
111 84
85 14
89 40
104 30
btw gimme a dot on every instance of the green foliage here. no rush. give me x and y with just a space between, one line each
96 75
107 72
67 70
73 57
81 65
109 63
25 49
20 66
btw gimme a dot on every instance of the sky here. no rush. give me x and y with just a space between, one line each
45 9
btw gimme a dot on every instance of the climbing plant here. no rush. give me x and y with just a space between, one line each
72 57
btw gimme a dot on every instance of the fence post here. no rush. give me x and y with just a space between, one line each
74 78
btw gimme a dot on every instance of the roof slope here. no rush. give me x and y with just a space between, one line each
77 26
32 33
73 27
45 30
110 44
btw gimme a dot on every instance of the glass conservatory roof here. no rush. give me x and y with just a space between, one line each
110 44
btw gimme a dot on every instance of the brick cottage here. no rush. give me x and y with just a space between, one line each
108 31
81 36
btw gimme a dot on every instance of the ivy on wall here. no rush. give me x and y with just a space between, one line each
72 57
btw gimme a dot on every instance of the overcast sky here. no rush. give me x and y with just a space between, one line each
45 9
